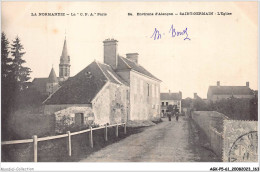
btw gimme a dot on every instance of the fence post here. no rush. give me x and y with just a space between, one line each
35 145
69 143
91 138
125 128
116 130
106 132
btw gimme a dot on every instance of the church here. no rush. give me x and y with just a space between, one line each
116 90
47 86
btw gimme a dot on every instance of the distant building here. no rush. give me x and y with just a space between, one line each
117 90
47 86
170 99
219 92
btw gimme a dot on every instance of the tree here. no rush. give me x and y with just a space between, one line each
5 59
199 105
20 73
186 102
5 76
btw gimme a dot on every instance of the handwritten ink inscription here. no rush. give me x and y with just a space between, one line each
172 33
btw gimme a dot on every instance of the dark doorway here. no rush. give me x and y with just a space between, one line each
79 119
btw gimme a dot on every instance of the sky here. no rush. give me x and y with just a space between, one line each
221 48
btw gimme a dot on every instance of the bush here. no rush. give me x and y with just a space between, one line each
65 124
234 108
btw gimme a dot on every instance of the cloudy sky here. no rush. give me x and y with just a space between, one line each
221 48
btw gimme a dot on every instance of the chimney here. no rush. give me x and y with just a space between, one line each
110 52
133 57
247 84
169 91
195 95
180 93
218 83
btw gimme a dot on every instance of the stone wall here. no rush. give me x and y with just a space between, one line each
111 104
211 123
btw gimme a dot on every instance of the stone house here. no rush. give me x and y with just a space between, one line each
96 89
111 92
171 99
219 92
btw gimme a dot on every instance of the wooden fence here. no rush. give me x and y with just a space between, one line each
35 139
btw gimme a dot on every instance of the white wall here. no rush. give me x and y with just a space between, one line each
144 107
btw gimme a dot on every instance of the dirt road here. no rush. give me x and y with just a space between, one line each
169 141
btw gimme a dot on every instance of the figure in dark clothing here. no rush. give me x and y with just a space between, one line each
177 116
169 116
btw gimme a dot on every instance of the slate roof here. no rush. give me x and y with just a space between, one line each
230 90
52 77
40 84
125 63
65 59
170 96
83 87
110 74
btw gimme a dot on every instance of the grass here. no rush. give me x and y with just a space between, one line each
56 150
24 126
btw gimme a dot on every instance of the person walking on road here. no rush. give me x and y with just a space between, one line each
169 115
177 116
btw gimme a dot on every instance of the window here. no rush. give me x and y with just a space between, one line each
151 90
156 91
166 103
127 95
65 71
148 91
162 103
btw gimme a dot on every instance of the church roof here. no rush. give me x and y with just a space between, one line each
40 84
171 96
64 58
124 63
52 77
83 87
230 90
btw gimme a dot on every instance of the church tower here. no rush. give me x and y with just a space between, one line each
52 84
64 72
